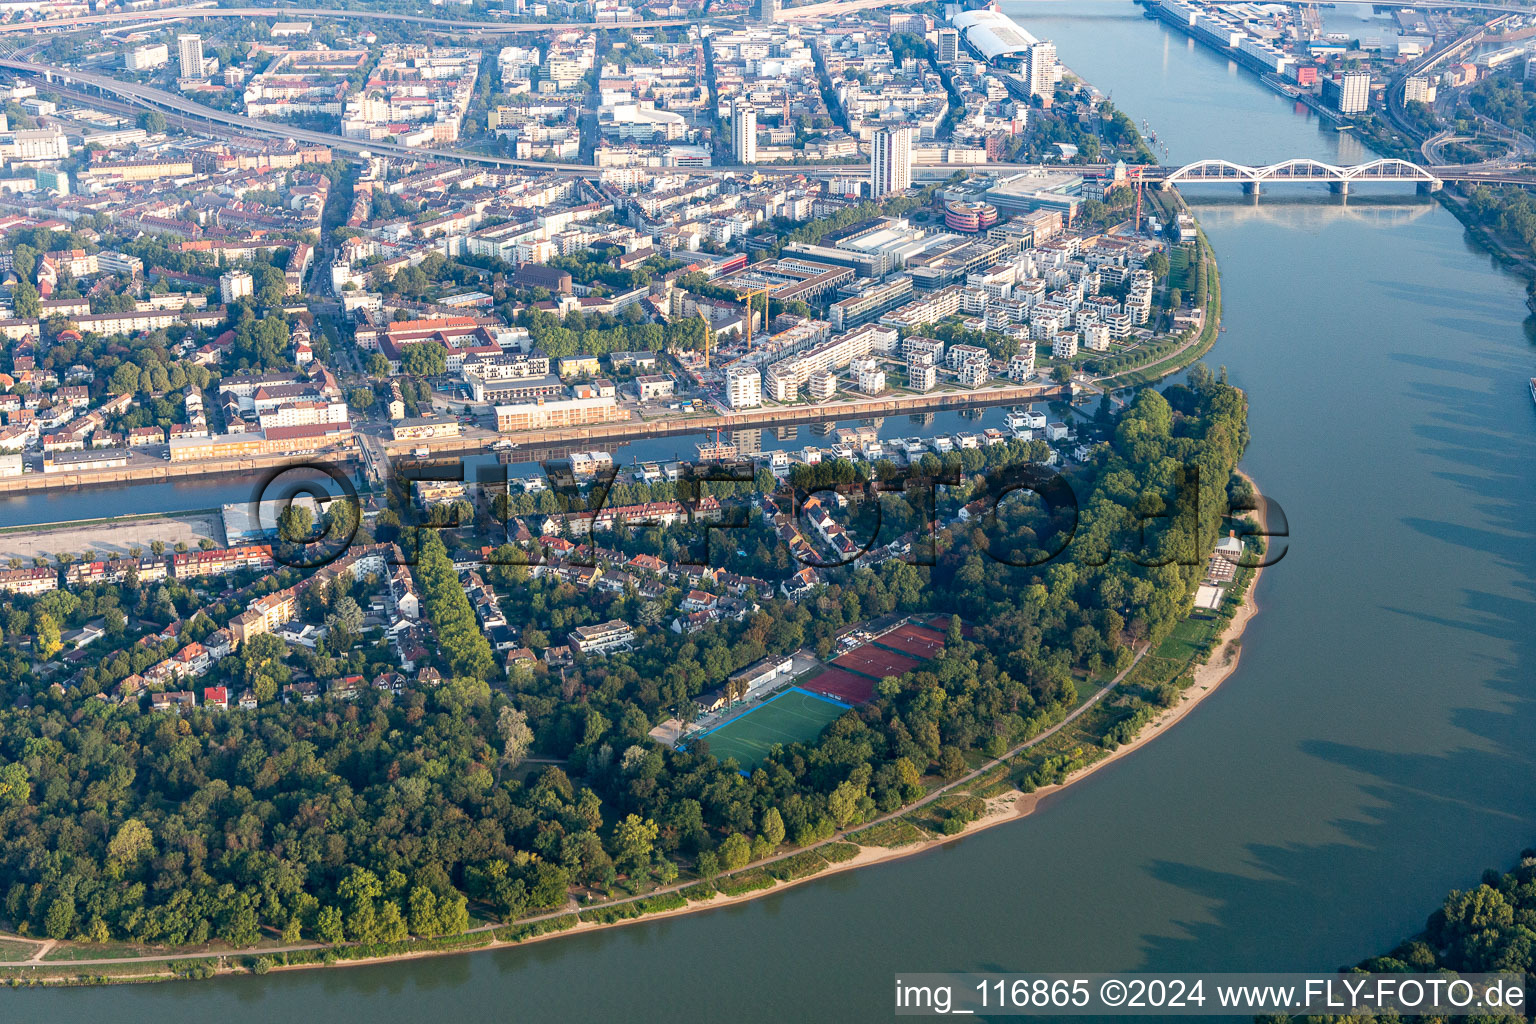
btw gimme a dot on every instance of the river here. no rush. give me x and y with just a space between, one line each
1372 751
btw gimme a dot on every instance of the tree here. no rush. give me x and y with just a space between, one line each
24 261
270 286
735 852
295 524
425 359
132 841
360 398
773 827
152 121
1157 263
26 301
60 922
512 725
378 366
14 784
329 926
633 839
48 639
125 379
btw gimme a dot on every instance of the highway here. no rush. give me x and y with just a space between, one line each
447 24
148 97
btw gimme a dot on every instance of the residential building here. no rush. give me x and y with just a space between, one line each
890 161
189 51
603 637
1350 92
235 285
1040 69
743 387
744 131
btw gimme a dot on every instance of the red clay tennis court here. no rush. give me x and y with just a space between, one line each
914 640
876 662
844 686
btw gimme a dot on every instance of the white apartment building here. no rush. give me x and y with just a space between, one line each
189 52
234 286
743 387
787 376
1419 89
890 161
1096 337
1354 92
303 414
34 144
1040 69
744 131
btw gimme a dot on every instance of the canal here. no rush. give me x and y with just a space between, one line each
1372 751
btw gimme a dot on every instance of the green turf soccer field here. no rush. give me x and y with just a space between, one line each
794 716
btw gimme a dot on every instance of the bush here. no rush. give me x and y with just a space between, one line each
747 881
836 853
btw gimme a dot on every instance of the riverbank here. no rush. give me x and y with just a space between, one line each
892 837
157 472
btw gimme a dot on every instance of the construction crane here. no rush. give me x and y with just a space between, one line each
747 298
707 334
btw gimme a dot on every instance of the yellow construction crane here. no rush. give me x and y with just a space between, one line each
707 333
747 296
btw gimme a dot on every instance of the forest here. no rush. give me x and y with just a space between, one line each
418 813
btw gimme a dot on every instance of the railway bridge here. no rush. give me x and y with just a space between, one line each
1389 170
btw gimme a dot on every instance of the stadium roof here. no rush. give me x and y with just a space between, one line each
992 34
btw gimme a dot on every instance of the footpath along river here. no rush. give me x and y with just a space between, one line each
1372 750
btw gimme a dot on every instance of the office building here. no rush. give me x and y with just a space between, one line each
767 11
142 58
744 131
890 162
189 50
949 45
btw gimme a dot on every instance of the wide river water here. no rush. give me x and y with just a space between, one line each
1373 750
